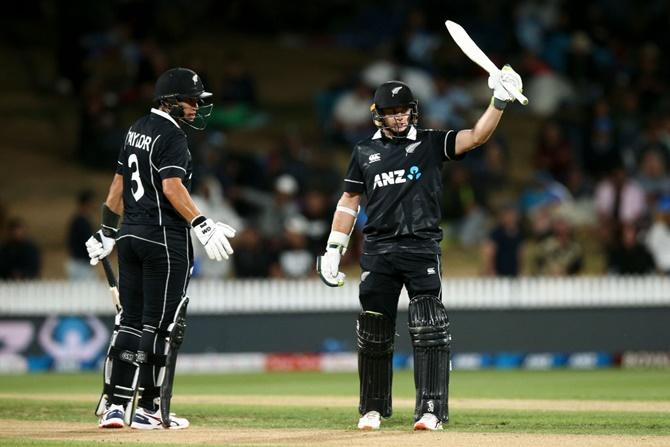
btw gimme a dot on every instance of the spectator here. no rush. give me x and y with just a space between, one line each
542 191
210 200
629 256
79 230
317 212
252 257
554 153
447 108
19 256
274 209
352 114
658 237
419 43
601 151
619 199
463 208
560 254
501 252
653 176
295 260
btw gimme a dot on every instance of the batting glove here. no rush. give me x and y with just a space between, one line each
328 267
504 82
214 236
100 244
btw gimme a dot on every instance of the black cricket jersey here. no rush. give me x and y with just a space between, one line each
155 148
402 178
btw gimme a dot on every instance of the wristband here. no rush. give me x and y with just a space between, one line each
110 221
197 220
499 104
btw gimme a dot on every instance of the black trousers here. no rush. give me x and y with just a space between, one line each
383 277
155 265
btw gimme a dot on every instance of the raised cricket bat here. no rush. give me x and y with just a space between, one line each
471 50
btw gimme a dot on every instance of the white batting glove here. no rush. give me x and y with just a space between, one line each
214 236
100 245
504 82
328 267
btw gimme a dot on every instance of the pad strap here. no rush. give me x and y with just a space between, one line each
149 358
122 354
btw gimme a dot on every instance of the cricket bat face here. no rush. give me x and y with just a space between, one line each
476 55
470 48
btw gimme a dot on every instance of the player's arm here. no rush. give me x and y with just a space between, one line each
213 235
344 220
101 243
345 214
114 199
468 139
180 198
489 249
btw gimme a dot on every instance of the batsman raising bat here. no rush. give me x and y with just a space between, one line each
399 169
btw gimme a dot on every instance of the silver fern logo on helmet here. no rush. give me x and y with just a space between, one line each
395 91
195 79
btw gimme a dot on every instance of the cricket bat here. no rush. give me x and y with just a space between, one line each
471 50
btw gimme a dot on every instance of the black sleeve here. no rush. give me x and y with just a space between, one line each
444 141
172 157
353 181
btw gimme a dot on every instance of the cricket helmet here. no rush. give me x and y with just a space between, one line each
390 95
180 84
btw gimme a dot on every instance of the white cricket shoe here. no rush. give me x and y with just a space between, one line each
112 417
428 422
370 421
147 420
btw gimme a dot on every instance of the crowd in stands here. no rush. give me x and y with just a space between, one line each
596 184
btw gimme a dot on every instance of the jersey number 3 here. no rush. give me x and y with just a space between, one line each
134 165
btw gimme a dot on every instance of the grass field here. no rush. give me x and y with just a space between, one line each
519 408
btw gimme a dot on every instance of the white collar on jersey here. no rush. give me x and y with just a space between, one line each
411 135
164 115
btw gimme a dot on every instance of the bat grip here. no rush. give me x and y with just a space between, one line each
109 273
519 96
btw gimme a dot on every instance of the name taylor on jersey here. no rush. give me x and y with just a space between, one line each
138 140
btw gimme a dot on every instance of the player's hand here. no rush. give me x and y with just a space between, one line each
504 82
214 236
328 267
100 245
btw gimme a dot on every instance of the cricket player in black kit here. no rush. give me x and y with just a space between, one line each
151 189
399 169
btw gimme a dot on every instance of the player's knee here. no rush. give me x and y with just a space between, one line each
375 333
428 322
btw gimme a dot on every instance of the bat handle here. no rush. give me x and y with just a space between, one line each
109 273
519 96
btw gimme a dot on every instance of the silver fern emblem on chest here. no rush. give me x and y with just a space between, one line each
411 147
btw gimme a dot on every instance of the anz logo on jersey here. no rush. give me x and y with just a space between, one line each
396 177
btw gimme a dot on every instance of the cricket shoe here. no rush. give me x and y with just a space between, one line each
112 417
428 422
370 421
148 420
